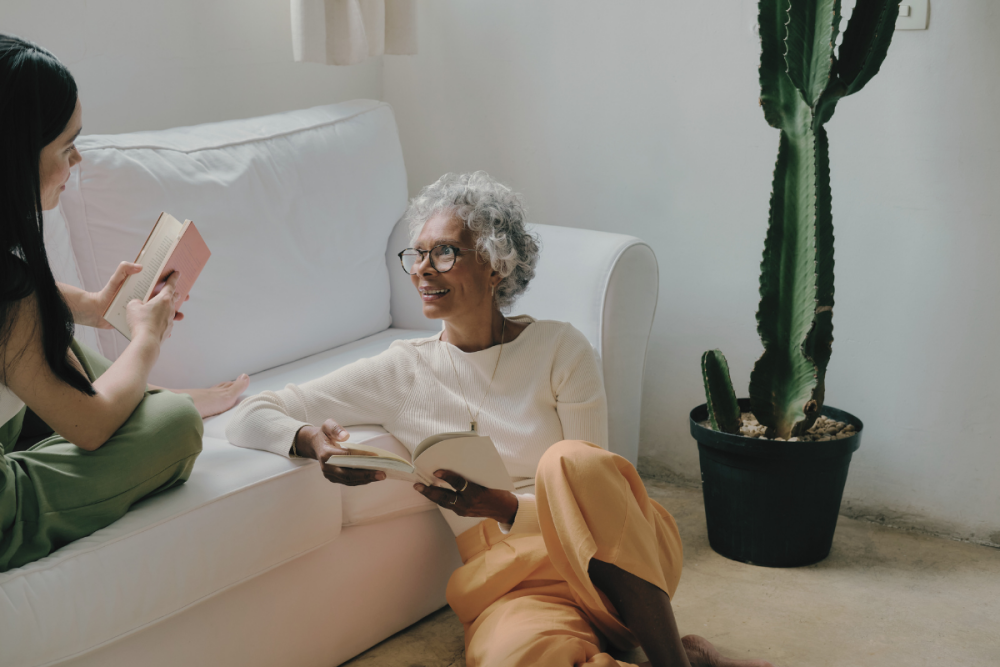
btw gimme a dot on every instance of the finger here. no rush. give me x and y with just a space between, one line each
165 291
332 450
334 432
178 316
127 269
456 481
436 494
352 476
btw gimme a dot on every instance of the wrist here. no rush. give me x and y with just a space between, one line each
146 344
509 511
90 311
302 443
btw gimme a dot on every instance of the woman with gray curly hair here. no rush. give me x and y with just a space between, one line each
547 578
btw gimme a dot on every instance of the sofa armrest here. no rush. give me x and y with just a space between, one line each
605 284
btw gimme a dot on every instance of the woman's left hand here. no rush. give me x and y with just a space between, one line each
473 500
96 303
88 307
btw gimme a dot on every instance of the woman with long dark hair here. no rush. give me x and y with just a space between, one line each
112 439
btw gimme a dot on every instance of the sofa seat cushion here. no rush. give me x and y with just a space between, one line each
242 512
361 504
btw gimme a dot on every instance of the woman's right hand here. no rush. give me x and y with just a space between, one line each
321 443
156 316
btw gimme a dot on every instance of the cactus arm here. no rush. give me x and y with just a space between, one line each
819 344
723 409
784 378
813 26
866 42
778 96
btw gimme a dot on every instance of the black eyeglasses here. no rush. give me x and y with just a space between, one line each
442 258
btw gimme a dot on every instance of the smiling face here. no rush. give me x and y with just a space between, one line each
57 158
464 291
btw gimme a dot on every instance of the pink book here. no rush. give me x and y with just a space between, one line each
171 246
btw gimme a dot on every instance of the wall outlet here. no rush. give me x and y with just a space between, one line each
912 15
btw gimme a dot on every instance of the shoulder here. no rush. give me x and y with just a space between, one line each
560 335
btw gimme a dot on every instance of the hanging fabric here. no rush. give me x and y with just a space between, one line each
345 32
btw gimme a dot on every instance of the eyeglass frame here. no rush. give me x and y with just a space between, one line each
425 254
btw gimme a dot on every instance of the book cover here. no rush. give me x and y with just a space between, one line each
170 246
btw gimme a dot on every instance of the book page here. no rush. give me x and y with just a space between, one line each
475 458
359 449
430 441
152 257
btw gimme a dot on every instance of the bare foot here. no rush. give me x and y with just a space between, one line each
701 653
219 398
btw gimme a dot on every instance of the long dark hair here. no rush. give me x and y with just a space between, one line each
37 99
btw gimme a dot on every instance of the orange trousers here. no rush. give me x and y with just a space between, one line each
527 599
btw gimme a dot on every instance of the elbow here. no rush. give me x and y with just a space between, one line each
89 444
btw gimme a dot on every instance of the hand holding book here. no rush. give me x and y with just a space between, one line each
462 472
471 499
155 317
171 248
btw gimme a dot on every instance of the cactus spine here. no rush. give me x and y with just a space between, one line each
801 81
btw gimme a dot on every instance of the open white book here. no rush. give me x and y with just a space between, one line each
471 455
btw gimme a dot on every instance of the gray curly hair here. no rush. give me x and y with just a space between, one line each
495 215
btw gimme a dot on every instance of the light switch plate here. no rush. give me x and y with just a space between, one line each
912 15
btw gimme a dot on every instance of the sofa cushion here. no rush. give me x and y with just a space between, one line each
241 513
296 207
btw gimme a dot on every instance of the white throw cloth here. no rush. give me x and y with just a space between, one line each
345 32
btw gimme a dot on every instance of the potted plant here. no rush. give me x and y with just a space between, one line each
773 469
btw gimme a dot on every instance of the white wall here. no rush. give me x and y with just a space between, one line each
153 64
641 117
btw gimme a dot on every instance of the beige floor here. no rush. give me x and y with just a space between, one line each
882 598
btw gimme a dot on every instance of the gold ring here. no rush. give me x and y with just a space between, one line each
454 500
464 487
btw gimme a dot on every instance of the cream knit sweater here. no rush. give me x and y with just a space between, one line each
548 388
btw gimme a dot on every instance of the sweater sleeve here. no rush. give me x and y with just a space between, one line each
578 386
526 519
368 391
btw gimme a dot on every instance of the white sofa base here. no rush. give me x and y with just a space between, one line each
305 613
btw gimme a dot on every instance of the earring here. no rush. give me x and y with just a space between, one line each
493 291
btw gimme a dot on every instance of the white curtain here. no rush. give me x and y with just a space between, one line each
345 32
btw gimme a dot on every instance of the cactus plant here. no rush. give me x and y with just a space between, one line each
801 81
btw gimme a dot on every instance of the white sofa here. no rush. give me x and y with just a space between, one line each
257 560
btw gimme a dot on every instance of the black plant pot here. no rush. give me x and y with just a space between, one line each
772 503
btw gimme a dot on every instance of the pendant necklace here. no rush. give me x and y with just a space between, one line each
473 423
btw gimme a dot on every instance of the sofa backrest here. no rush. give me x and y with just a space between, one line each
296 208
606 285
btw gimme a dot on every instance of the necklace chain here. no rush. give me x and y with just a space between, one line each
473 418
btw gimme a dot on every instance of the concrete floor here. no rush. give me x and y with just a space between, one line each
883 597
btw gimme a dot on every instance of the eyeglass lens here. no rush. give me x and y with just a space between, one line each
442 258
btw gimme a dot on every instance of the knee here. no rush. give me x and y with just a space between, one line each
177 422
569 457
